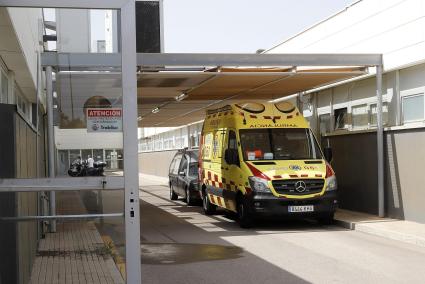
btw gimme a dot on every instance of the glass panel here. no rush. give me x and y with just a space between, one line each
373 110
341 118
86 154
98 155
120 158
63 163
413 108
87 115
74 155
360 116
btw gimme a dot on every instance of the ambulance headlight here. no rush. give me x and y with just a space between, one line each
331 183
258 184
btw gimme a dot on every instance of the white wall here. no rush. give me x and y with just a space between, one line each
395 28
80 139
25 22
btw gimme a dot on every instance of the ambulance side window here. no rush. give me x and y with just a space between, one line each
232 140
207 147
232 149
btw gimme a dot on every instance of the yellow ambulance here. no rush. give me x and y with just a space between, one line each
262 159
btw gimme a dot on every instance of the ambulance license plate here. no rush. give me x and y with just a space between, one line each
302 208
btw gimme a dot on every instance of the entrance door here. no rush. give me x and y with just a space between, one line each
231 173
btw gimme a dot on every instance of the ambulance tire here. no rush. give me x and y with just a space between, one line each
208 207
244 213
173 195
327 219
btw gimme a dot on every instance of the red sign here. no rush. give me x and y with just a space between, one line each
104 113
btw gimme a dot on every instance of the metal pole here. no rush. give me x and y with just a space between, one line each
50 143
131 167
380 142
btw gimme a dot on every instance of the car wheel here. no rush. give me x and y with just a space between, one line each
244 213
327 219
173 195
208 207
189 199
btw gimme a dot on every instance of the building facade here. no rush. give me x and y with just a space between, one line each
344 115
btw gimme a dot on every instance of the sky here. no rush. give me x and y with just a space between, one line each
241 26
225 26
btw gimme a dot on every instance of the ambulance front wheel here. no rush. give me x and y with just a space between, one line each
327 219
244 213
208 207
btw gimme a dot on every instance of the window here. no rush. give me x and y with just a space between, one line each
341 121
170 170
279 144
360 115
232 140
413 108
207 146
218 142
98 155
177 160
74 155
183 165
85 153
374 111
324 123
4 87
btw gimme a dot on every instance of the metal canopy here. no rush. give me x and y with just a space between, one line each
211 80
213 89
257 77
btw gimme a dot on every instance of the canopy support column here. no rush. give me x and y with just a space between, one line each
380 142
50 143
131 166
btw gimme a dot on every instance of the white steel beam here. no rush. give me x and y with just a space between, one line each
74 4
81 60
147 60
78 217
131 163
229 59
61 184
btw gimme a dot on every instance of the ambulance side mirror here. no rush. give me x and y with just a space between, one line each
327 151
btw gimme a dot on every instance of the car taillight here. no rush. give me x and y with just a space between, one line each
329 171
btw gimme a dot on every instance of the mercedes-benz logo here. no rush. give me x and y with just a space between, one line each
300 186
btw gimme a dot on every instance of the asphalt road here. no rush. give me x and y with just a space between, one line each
181 245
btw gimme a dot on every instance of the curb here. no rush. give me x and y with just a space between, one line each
369 228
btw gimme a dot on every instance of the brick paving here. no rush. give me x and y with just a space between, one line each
76 253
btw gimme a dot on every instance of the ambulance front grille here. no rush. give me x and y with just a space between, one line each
289 186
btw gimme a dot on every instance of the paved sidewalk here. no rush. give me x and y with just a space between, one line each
76 253
400 230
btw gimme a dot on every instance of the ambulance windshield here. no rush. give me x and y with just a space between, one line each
279 144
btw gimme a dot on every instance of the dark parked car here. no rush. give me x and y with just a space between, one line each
183 176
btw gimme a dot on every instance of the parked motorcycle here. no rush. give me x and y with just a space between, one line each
80 168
